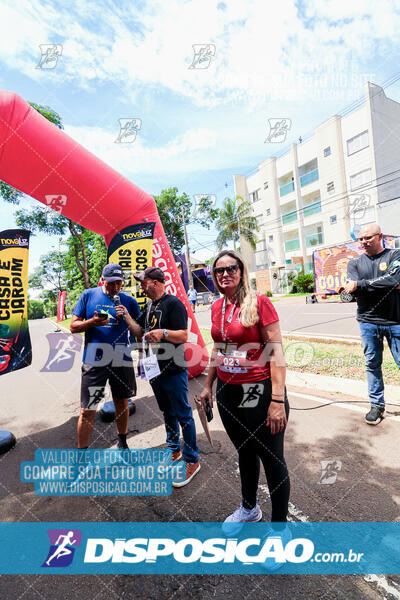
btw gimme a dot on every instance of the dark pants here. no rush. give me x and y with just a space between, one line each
171 392
243 410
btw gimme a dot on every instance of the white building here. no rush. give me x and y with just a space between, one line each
346 174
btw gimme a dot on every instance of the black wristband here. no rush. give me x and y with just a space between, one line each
278 401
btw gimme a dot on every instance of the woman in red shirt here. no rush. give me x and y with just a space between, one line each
247 361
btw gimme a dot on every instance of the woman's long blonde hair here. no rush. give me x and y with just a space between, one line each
246 296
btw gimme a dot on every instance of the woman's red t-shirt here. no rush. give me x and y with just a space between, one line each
255 367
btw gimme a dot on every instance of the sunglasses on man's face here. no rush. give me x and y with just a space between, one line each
231 269
367 238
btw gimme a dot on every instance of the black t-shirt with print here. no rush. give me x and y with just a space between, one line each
166 313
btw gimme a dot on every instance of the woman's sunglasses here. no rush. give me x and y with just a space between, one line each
230 269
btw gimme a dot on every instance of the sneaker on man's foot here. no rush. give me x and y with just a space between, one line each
234 523
191 470
375 415
176 456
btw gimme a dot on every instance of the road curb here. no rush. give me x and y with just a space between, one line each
322 338
330 383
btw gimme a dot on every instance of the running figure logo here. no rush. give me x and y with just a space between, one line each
203 53
96 394
63 347
278 129
63 543
49 55
128 129
329 471
252 393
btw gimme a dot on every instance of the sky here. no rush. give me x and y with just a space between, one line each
202 78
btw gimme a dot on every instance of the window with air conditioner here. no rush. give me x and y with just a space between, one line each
360 179
357 143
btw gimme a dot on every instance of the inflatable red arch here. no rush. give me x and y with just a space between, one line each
39 159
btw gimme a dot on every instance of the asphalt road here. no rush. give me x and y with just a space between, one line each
330 318
41 409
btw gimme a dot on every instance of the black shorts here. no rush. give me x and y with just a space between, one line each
122 382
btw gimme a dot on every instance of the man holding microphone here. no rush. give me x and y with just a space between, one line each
106 316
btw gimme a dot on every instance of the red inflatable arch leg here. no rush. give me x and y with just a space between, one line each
39 159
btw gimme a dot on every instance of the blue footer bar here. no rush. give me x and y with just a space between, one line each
203 548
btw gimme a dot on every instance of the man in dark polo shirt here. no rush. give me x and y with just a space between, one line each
163 323
374 278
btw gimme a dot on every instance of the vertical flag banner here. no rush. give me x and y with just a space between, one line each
132 248
15 343
96 197
61 306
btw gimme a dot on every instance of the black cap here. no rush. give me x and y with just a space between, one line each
150 273
113 272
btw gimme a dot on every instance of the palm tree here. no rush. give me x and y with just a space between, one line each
235 220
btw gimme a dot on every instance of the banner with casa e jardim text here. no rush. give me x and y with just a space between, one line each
132 248
15 343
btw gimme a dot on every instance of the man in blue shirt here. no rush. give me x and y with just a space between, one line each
105 315
192 295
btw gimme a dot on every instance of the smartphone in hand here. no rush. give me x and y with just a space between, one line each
208 411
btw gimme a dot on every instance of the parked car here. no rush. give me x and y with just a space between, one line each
202 298
207 297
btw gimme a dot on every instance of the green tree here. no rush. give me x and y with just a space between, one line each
50 274
49 277
304 283
85 273
169 206
235 220
35 309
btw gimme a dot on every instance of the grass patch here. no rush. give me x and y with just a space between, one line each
66 323
206 334
340 360
297 294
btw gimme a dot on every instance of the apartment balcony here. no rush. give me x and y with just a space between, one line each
309 177
314 239
286 189
289 217
312 209
292 245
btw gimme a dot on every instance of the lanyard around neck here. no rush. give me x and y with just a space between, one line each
229 319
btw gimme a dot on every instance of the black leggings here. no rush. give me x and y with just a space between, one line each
243 410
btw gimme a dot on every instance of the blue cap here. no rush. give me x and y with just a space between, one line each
113 272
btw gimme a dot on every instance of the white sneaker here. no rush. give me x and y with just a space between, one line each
285 535
234 523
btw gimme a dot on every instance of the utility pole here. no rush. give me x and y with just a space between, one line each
187 252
